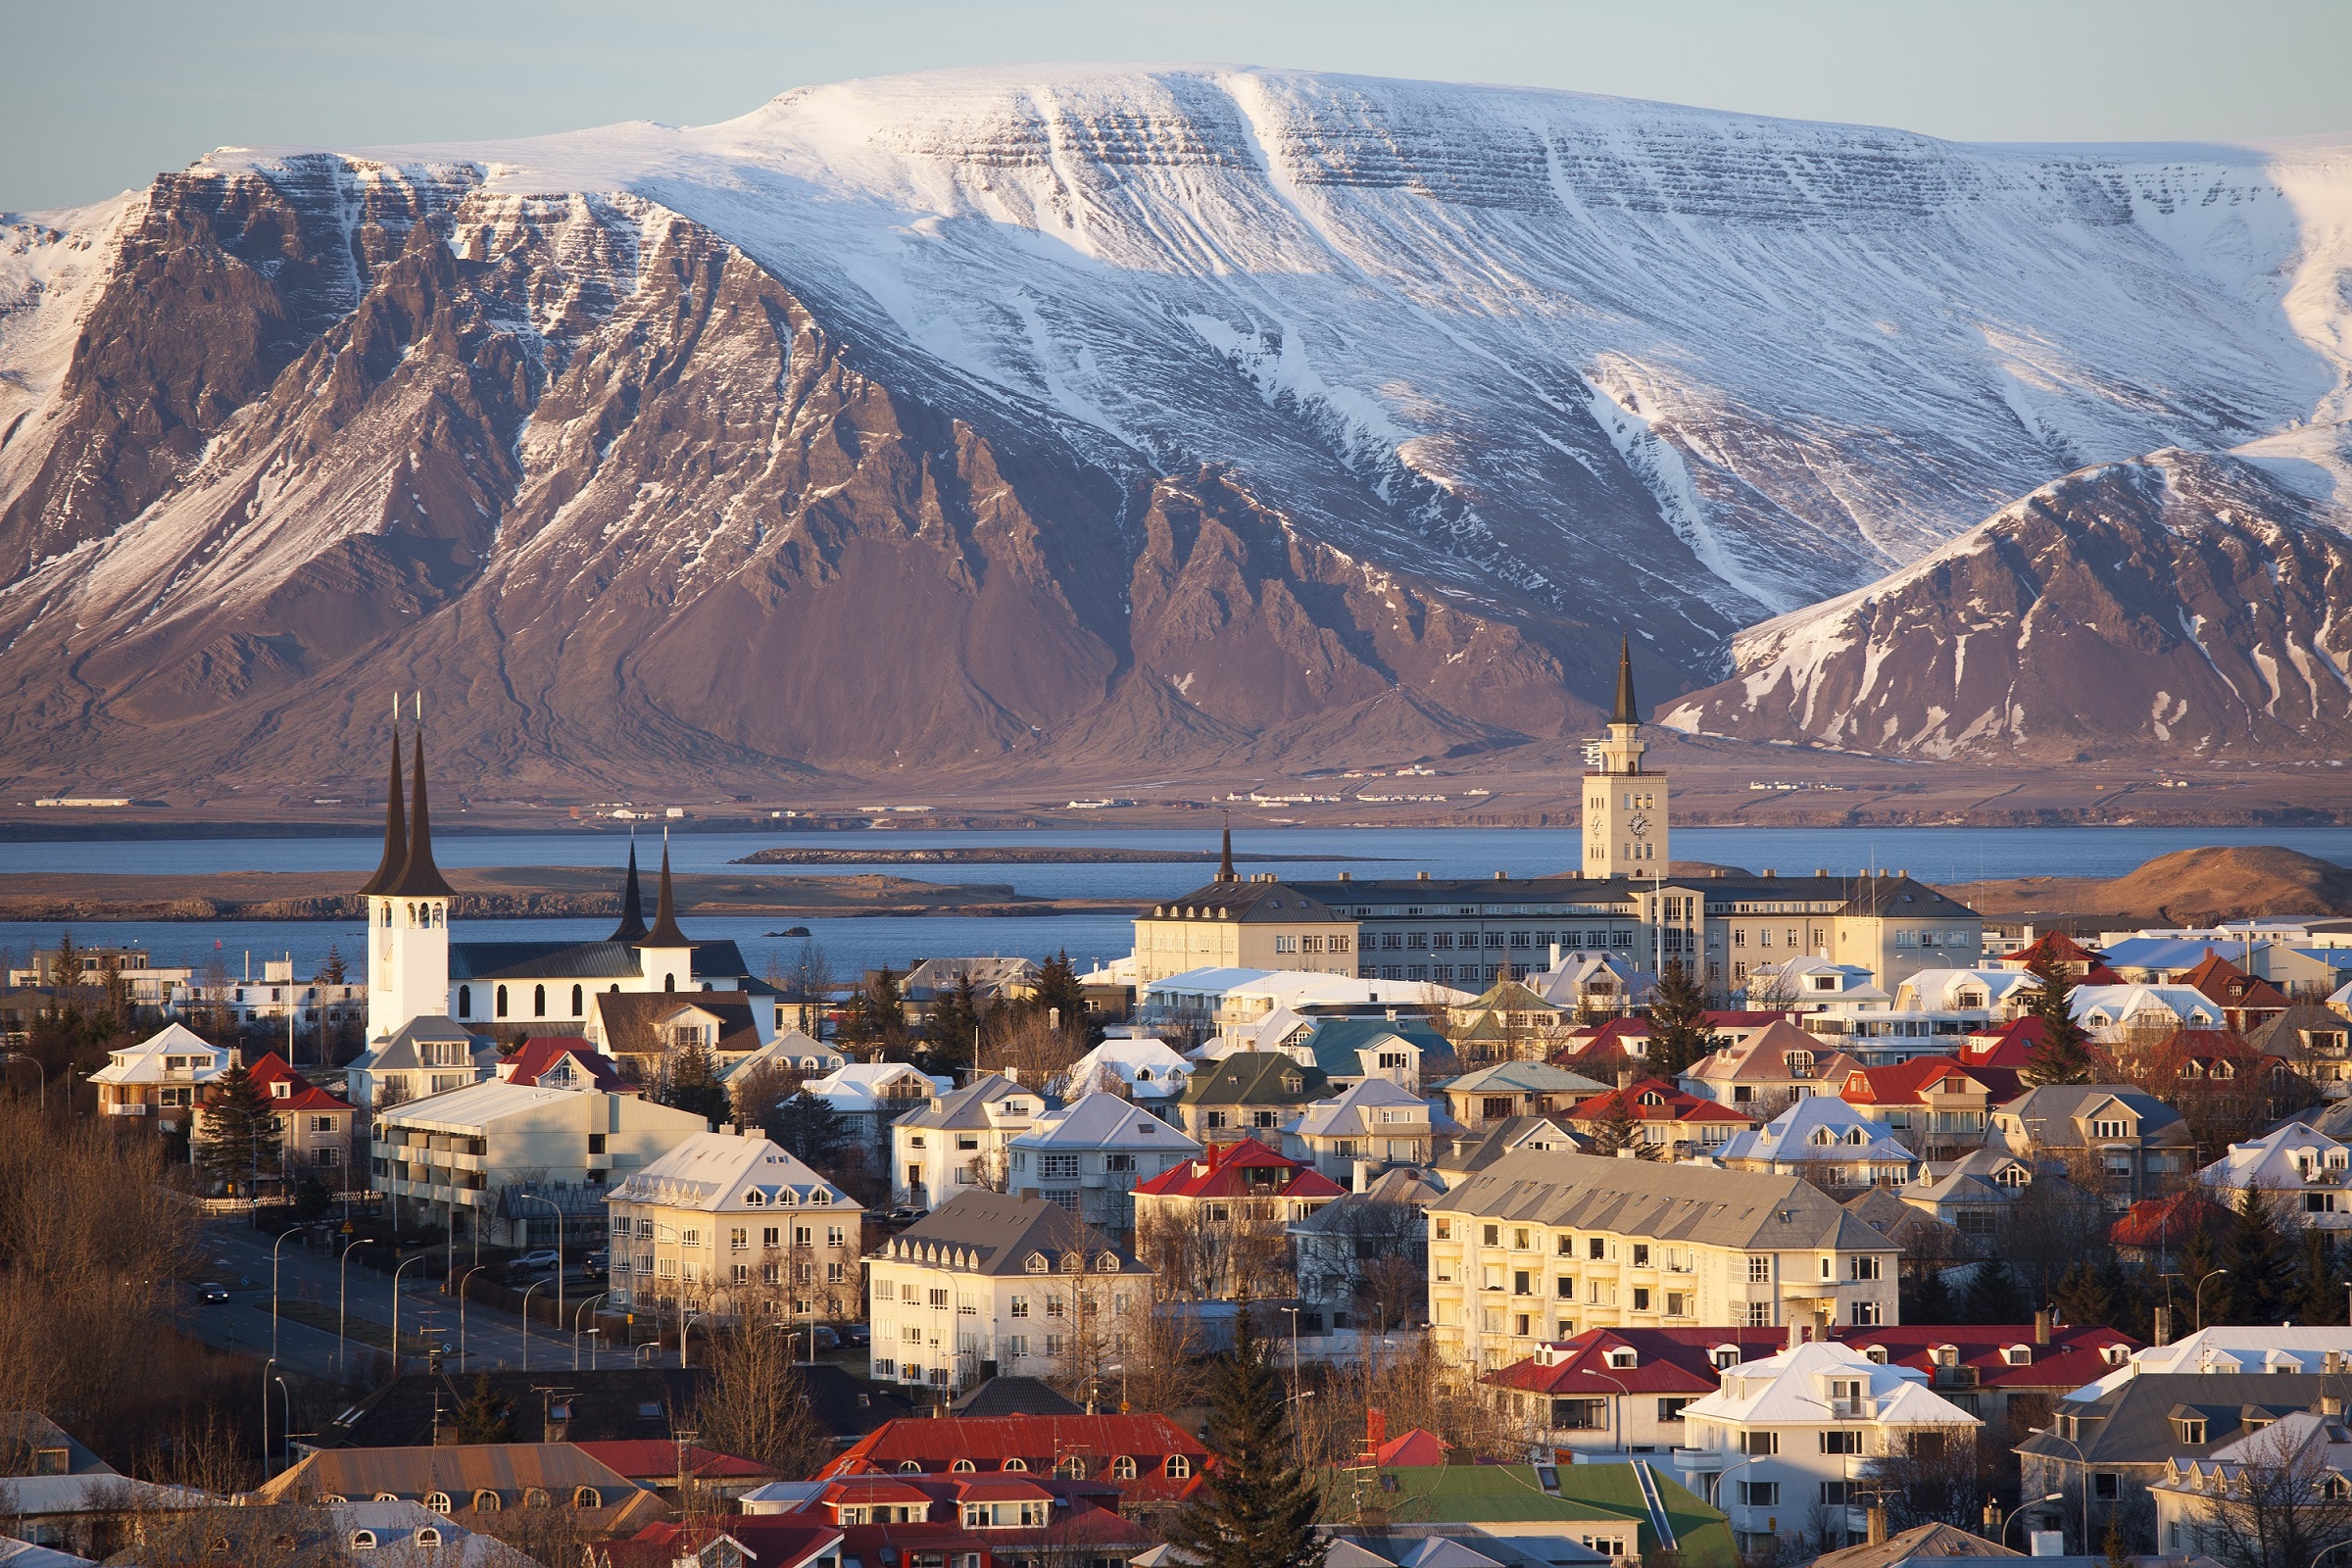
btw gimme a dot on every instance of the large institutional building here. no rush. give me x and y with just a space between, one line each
1625 899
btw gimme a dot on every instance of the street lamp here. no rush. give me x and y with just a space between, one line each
38 1067
269 1371
396 1274
2001 1536
576 1315
526 1323
342 1301
685 1322
2082 1459
273 1247
463 1279
556 1209
2202 1282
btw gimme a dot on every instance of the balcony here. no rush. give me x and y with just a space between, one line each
1709 1460
129 1107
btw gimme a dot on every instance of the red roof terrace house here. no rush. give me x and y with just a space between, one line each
1197 1221
1669 1121
1140 1466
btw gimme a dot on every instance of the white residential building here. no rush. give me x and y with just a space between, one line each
2310 1450
1539 1245
1797 1430
512 1158
2109 1012
2236 1348
730 1223
957 1144
426 1055
1145 1068
1234 998
789 1052
1826 1141
990 1283
2301 1171
869 1096
1370 1126
1990 994
1088 1155
167 1076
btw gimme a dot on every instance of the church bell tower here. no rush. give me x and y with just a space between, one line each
408 912
1625 806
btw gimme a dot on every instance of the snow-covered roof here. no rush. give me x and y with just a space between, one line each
144 1062
728 1171
2286 1158
1819 1127
793 1049
2121 1007
1356 1113
1146 1065
1104 1121
1793 1389
1963 990
2233 1348
1300 988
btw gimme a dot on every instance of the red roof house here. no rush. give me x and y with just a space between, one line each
1415 1448
2077 958
563 1062
1247 1170
2160 1225
289 1090
2244 1000
1148 1458
1666 1115
651 1462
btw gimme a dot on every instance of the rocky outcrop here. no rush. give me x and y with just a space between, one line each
2180 604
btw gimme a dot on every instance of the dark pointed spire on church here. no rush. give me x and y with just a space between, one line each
632 903
396 829
419 877
665 932
1627 713
1225 871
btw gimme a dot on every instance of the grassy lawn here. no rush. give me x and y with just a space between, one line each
358 1329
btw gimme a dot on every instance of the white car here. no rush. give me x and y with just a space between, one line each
542 1257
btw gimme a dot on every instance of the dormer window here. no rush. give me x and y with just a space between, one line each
1621 1358
2189 1428
1725 1355
281 1090
1877 1354
2019 1356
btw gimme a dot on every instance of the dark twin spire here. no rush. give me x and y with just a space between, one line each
1627 713
1225 871
632 903
406 870
665 932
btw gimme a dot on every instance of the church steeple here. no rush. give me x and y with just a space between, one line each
1225 871
419 877
396 829
632 903
665 932
1627 713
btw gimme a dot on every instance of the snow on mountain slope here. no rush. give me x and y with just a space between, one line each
1419 391
2184 603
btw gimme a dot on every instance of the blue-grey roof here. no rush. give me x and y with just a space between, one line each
578 960
2163 952
1334 1041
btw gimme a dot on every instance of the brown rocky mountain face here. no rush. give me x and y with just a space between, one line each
2182 605
610 493
1003 425
2204 885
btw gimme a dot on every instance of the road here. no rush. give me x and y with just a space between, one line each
238 1258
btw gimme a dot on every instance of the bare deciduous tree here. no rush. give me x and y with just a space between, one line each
2280 1504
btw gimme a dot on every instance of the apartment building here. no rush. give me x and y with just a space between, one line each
1232 923
1088 1156
958 1143
1368 1129
1540 1245
2138 1140
480 1150
988 1283
730 1223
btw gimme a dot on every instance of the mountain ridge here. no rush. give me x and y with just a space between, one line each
1313 411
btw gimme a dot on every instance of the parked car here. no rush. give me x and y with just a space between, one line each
539 1257
212 1290
854 1334
594 1264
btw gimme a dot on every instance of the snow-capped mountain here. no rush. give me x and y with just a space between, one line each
2182 605
988 419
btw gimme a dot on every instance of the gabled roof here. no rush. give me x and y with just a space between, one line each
2282 1036
1354 1112
791 1049
1672 1203
2167 1223
998 1233
459 1470
1909 1083
1524 1078
399 1053
1919 1542
2050 1112
1671 1104
302 1095
2076 1355
2130 1419
540 1054
1335 1043
1664 1361
1819 1127
2051 943
1781 1390
1397 1184
2225 983
1007 1396
726 1171
1105 1120
1224 1170
631 1020
968 1107
1482 1148
654 1460
144 1061
1254 1078
2008 1046
1763 1057
1039 1441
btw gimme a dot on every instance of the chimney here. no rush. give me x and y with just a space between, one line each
2041 1327
1498 876
1555 954
2163 1333
1877 1528
1421 876
1376 1429
2332 1406
2334 1362
1629 1153
1362 1180
1624 1078
1796 1333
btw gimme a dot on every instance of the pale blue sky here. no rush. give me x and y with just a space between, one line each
101 94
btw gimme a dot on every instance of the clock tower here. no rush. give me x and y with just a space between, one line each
1625 807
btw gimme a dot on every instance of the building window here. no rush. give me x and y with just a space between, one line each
1866 1314
1842 1442
578 1003
1760 1268
502 1002
1671 1409
538 1001
464 1002
1761 1493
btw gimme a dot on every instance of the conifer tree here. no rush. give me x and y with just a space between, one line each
1254 1509
484 1418
1993 1296
1057 987
885 1013
330 968
1678 1021
950 1033
1930 1298
2063 1055
1616 1129
693 1083
239 1142
2261 1263
2084 1295
2319 1285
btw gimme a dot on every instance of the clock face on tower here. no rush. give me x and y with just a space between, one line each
1638 827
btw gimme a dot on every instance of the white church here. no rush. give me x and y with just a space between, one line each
436 1007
